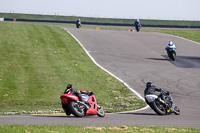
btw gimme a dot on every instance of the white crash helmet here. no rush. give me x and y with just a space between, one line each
170 43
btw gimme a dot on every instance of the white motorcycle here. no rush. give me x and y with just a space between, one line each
78 25
162 104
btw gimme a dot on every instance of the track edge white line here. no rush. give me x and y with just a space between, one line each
125 84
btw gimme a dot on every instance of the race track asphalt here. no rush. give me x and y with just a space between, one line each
137 58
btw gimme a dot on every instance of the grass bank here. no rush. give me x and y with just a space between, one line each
99 20
193 35
38 61
81 129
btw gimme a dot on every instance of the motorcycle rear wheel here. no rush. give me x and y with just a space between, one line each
100 112
158 107
76 109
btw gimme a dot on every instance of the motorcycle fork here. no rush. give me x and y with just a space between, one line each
80 104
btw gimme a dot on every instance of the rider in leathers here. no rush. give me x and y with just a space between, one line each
137 22
151 89
170 46
77 93
78 22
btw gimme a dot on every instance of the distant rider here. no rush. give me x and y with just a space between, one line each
78 23
170 45
137 23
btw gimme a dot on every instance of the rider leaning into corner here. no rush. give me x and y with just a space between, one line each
77 93
169 46
152 89
137 22
78 22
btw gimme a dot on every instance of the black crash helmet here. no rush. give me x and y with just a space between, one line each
148 84
70 86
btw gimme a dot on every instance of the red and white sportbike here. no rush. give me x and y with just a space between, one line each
72 105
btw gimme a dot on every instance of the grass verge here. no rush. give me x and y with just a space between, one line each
81 129
15 47
191 34
38 61
99 20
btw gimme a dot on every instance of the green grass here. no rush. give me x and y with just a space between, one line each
99 20
191 35
37 61
81 129
36 64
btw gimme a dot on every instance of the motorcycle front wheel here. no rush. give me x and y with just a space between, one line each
176 110
158 107
172 56
137 28
100 111
77 109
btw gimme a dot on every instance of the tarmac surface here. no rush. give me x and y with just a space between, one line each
137 58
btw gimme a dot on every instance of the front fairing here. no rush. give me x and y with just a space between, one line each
172 50
93 109
150 98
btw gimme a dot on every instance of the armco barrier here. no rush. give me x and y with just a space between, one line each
106 24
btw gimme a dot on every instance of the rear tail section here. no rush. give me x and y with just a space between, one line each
66 98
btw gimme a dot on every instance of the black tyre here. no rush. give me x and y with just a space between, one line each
100 112
78 26
137 29
176 110
158 107
173 57
76 109
65 108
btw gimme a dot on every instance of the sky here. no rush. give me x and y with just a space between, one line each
130 9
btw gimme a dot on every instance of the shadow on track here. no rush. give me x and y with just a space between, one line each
181 61
159 59
147 114
186 61
65 116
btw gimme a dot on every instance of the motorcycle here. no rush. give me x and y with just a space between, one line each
138 27
72 105
172 53
78 25
162 105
